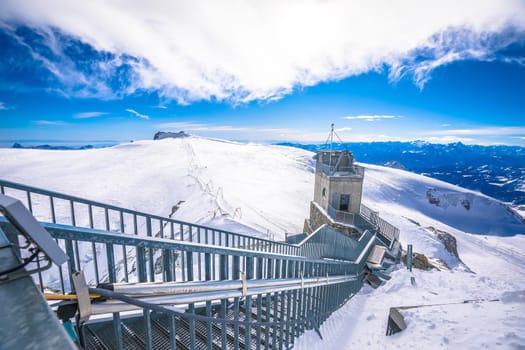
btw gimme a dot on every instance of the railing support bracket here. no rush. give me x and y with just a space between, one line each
81 288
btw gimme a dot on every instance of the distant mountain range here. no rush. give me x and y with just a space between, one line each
497 171
50 147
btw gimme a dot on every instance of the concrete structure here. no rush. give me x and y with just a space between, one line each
337 193
338 181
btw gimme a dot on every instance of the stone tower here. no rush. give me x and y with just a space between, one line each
337 192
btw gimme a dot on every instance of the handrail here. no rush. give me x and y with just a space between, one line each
58 231
327 242
386 229
366 219
289 288
254 287
184 228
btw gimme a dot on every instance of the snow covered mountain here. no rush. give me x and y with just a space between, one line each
265 190
497 171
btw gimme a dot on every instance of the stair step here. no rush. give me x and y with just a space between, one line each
101 335
201 337
383 276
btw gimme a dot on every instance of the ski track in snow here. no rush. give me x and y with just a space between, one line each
268 188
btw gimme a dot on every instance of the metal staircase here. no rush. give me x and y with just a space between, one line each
164 283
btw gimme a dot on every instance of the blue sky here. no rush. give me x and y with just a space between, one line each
263 71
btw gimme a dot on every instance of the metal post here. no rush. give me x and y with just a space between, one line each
147 326
110 255
173 333
141 264
223 275
117 324
409 257
207 267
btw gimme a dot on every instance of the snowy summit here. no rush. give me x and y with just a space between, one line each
266 190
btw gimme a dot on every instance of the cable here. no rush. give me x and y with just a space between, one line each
23 264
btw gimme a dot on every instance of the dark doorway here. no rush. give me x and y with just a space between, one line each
344 202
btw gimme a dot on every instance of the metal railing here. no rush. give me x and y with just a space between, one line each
384 228
367 219
353 170
58 208
348 218
328 243
326 269
275 290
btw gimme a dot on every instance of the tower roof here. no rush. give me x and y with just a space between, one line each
338 163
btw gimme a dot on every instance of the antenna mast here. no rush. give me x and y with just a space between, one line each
331 140
331 137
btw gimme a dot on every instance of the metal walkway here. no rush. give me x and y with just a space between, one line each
211 288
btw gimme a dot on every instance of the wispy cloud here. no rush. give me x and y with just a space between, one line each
50 122
199 127
137 114
479 135
87 115
253 133
450 139
370 118
3 107
343 129
494 131
282 44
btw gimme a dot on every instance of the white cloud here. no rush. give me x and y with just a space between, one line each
50 122
198 127
137 114
481 135
486 131
370 118
343 129
261 50
3 107
253 133
87 115
450 139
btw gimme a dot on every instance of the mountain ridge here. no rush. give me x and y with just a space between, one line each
498 171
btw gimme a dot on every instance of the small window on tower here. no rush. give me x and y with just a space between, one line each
324 193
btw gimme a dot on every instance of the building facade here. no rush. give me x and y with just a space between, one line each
337 193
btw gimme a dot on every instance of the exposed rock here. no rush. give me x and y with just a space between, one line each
451 245
175 208
431 198
306 227
438 263
412 221
169 135
419 261
448 241
395 164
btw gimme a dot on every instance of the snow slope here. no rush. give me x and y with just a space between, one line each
217 180
266 190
